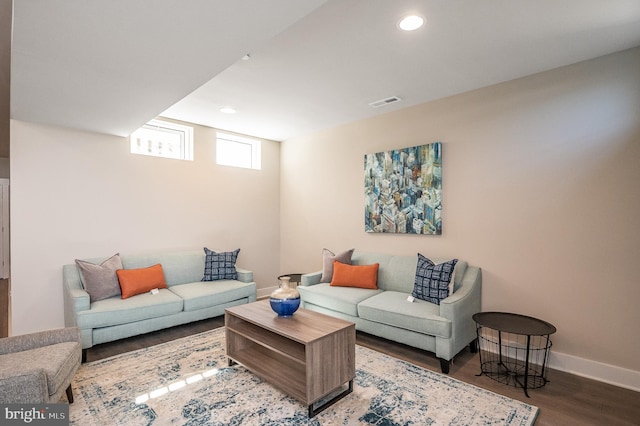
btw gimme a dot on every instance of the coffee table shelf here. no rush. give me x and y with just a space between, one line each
270 362
271 341
309 356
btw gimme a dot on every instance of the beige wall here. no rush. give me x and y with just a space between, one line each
76 195
540 190
541 187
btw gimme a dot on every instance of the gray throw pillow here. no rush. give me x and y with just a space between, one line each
327 262
100 281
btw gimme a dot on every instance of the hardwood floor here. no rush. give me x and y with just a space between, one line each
565 400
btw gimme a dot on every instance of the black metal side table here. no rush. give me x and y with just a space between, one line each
294 278
514 349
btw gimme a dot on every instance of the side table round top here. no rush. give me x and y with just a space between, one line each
514 323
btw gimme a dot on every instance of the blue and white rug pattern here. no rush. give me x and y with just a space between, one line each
188 382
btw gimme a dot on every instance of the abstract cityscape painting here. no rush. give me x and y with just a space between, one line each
403 190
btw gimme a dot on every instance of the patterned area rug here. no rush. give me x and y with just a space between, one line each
188 382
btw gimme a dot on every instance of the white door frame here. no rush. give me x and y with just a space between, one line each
5 258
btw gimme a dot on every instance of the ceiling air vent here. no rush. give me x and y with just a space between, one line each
383 102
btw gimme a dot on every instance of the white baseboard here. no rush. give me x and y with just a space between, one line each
265 292
595 370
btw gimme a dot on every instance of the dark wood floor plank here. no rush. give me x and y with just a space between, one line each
566 400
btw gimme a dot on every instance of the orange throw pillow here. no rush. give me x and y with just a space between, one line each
138 281
362 276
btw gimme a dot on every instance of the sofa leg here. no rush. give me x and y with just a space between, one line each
444 365
70 394
473 346
84 355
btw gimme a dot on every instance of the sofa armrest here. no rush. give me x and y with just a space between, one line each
312 278
467 296
25 342
461 305
245 275
79 300
76 299
28 386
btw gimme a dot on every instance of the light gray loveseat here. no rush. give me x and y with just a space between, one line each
444 329
186 299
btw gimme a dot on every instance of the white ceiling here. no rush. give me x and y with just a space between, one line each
110 66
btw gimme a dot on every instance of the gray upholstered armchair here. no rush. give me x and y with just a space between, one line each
37 368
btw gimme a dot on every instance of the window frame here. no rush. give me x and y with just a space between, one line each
255 157
185 133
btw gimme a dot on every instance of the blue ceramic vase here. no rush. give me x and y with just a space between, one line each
285 300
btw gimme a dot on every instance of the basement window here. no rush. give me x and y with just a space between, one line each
238 151
163 139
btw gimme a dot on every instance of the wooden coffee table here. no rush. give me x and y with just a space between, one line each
309 356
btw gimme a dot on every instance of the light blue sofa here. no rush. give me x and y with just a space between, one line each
186 299
444 329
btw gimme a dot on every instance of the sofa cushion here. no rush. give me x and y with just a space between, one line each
114 311
361 276
220 266
432 281
458 272
395 273
179 268
141 280
398 273
327 262
100 281
393 308
340 299
200 295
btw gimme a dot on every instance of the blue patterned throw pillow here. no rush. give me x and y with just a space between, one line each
220 266
432 281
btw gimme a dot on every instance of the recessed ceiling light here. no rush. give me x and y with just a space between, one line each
228 110
411 22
